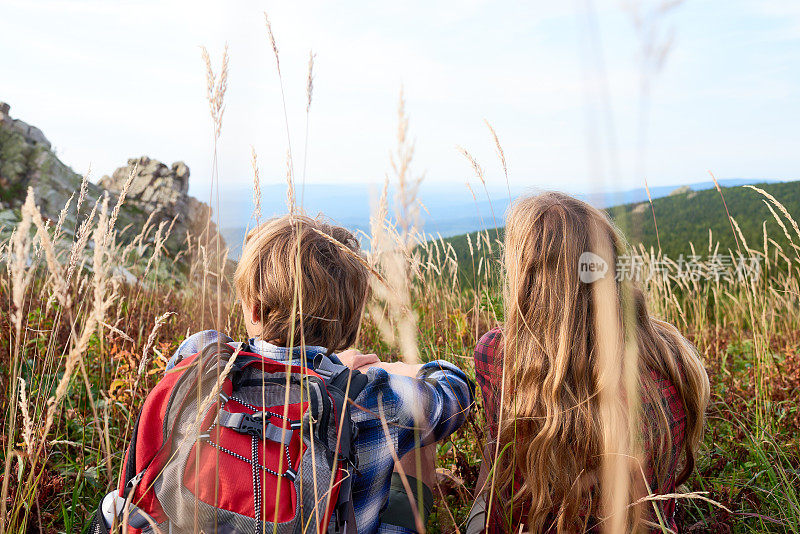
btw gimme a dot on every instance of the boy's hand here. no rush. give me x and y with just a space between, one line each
354 359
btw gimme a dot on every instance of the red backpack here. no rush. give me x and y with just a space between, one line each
272 451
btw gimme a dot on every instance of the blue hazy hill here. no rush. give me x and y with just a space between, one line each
447 209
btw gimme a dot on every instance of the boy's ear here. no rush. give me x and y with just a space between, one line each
255 313
252 312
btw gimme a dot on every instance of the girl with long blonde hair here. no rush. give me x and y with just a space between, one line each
542 376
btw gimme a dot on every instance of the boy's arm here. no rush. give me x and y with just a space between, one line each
421 410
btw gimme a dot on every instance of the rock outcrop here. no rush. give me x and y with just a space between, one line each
682 190
162 191
26 160
32 134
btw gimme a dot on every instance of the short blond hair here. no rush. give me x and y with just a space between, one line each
334 281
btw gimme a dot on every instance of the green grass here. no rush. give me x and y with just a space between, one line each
749 461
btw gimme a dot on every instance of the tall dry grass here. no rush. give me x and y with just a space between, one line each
83 344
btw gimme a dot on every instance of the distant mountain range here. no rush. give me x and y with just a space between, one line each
448 209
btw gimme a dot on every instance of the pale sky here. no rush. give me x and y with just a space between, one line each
108 80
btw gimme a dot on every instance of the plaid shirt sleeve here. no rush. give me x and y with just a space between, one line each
427 408
676 415
417 412
489 374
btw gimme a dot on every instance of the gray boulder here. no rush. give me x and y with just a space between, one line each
157 188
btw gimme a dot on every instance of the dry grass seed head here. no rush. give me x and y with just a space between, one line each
62 215
84 189
216 85
499 149
291 204
21 271
120 201
256 186
272 41
27 423
310 80
150 339
80 243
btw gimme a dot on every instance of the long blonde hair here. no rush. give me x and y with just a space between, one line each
550 431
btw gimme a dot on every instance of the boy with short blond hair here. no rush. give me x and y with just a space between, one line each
332 290
303 286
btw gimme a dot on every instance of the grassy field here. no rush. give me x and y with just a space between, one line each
81 349
82 344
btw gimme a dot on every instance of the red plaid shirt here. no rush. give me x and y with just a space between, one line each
489 374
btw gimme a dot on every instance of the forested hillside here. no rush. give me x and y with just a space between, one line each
687 218
682 219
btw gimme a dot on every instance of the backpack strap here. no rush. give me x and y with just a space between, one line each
336 376
98 523
130 463
113 506
345 522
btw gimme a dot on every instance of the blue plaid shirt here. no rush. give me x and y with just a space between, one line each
418 411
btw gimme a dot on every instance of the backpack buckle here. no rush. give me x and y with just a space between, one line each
252 424
242 422
255 425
